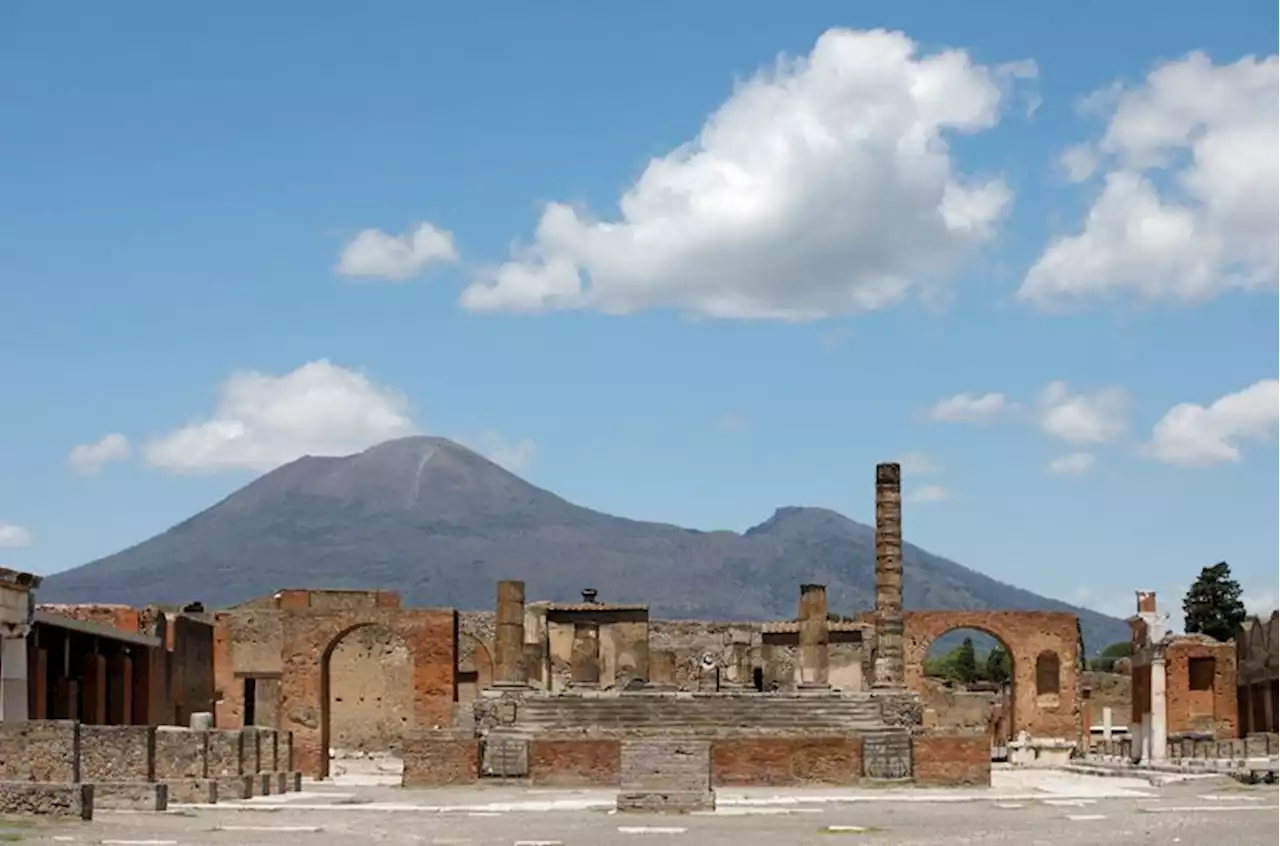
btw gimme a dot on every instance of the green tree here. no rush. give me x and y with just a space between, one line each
1212 606
1123 649
966 663
997 668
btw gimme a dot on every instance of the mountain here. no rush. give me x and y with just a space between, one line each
441 524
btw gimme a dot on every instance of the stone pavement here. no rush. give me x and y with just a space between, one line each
1046 808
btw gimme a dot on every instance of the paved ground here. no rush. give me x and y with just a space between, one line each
1029 809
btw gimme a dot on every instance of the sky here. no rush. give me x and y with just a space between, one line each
685 262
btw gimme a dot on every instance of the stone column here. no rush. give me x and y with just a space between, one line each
17 608
508 637
813 638
584 660
889 671
1159 715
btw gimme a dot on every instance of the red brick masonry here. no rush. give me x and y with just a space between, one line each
941 760
575 763
786 761
441 762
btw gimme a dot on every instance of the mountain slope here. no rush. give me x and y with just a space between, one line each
441 524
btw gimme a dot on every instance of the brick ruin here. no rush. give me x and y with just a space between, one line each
245 700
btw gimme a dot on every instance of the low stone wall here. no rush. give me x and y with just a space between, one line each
40 751
786 761
555 762
145 767
1253 746
44 799
951 760
439 760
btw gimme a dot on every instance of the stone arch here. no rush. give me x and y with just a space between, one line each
1025 634
307 643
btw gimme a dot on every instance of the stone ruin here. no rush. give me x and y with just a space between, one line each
578 694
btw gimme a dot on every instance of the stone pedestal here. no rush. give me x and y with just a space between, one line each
813 636
662 670
889 669
584 659
508 637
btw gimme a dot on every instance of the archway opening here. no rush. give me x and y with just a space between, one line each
969 685
366 695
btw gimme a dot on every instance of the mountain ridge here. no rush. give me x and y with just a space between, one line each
440 523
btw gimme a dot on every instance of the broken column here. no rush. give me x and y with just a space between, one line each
17 610
813 637
508 637
889 671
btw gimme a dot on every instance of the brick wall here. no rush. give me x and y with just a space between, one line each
574 763
940 760
1211 710
783 761
439 761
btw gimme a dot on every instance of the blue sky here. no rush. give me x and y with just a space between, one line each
478 220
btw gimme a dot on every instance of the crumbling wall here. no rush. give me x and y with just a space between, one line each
1208 707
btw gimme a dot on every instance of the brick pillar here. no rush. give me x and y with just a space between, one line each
120 690
140 700
66 699
662 669
814 636
889 671
95 690
585 659
38 684
508 637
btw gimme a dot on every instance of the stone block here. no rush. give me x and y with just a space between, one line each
295 781
46 751
234 788
264 784
181 754
131 795
117 754
192 791
439 760
45 799
682 766
226 753
505 756
666 801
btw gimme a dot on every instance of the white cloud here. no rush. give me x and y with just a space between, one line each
822 186
396 257
1192 435
1072 464
1188 207
513 455
1084 418
14 536
1261 603
918 464
89 458
262 421
970 408
929 493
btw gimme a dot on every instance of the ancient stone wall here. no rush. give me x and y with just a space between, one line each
192 682
40 750
117 753
434 759
555 762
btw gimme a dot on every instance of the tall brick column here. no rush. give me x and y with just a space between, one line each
508 637
814 636
889 672
584 659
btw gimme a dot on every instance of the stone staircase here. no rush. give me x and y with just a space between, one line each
659 713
